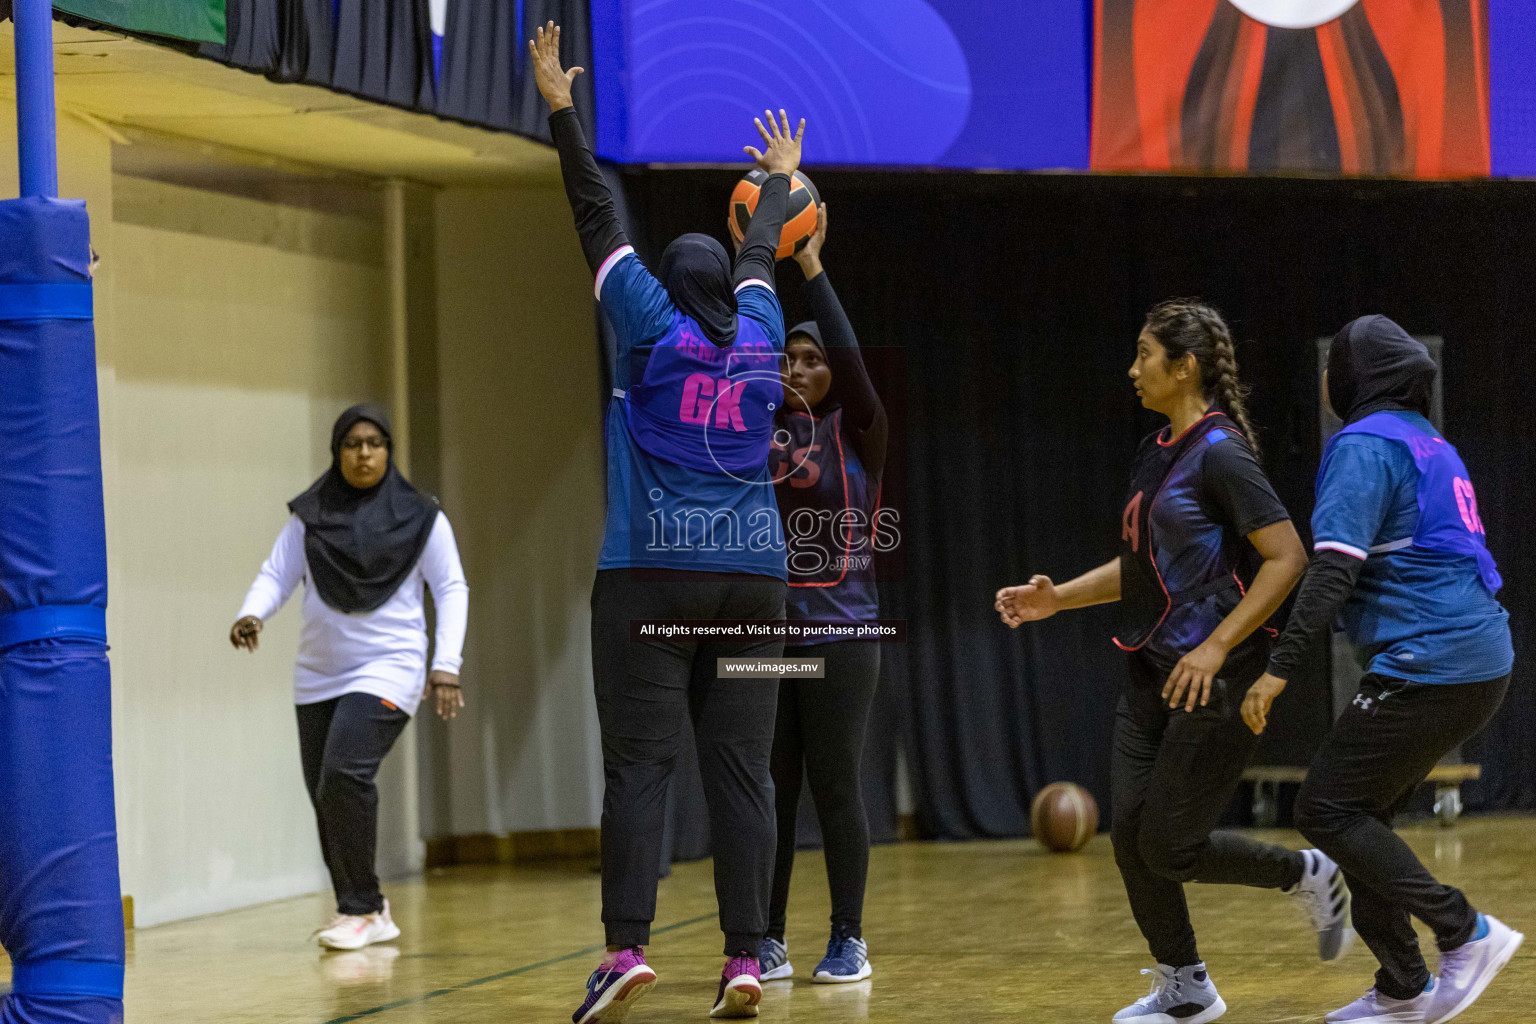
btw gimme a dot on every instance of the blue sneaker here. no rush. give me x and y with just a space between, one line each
773 960
614 988
847 960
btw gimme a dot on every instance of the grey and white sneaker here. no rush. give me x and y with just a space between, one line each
773 960
1325 896
1183 995
1375 1008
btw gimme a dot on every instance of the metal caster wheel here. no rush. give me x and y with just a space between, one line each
1448 805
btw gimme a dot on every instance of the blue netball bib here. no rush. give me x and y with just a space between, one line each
1448 516
704 406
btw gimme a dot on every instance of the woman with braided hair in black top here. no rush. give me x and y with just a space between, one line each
1199 507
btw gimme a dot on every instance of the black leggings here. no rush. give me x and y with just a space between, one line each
341 743
820 736
1171 774
647 690
1380 749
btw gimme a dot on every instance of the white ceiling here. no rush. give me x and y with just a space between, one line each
154 94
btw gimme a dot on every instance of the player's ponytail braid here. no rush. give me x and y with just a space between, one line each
1189 327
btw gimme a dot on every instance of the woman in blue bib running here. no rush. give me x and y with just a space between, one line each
1400 560
692 533
1198 507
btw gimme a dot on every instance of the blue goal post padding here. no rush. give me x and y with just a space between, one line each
61 917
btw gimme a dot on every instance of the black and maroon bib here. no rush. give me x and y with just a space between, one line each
829 503
1173 557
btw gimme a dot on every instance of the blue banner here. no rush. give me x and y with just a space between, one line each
902 83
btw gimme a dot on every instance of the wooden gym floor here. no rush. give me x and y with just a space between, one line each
985 931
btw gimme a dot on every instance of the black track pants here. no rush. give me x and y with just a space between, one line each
647 692
342 741
1172 773
1380 749
819 739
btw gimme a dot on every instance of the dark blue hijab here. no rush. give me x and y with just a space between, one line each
696 272
1375 365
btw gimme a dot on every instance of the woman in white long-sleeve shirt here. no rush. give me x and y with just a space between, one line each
363 542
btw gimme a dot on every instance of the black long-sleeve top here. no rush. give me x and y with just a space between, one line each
864 417
597 221
1327 584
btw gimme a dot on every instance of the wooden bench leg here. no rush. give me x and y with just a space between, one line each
1447 803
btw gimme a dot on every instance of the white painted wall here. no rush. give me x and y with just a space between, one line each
232 359
229 334
522 467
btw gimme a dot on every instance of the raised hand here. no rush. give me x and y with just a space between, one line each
244 632
554 81
809 257
1031 602
781 153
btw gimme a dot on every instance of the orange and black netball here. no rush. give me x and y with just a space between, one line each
799 221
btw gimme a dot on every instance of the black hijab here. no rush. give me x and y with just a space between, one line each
1375 365
362 544
812 333
697 274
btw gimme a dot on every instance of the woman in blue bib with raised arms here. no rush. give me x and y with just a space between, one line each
692 534
1400 562
828 454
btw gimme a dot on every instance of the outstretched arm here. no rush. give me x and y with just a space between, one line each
863 413
597 222
1040 598
780 158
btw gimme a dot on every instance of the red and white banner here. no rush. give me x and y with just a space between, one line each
1381 87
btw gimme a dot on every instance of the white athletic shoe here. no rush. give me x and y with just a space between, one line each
354 931
1179 996
1326 898
1375 1008
1466 970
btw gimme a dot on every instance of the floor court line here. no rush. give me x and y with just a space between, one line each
435 993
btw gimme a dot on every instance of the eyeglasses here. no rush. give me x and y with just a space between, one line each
353 444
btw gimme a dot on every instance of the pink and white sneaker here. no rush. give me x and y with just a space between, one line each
741 988
354 931
614 988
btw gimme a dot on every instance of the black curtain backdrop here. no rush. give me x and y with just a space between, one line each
382 50
1014 302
